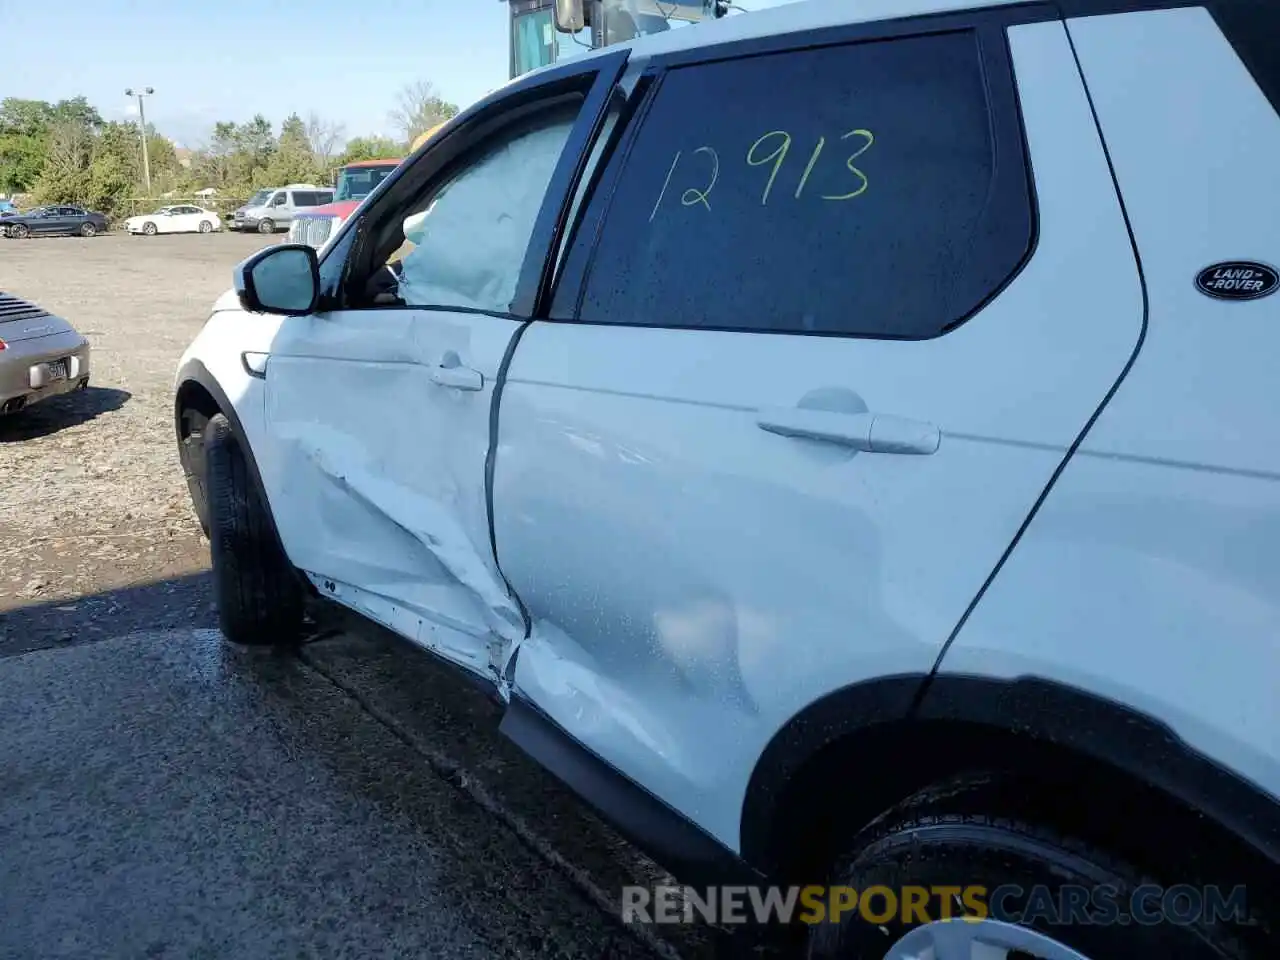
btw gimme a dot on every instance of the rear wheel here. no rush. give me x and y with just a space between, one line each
88 230
258 592
149 229
266 226
206 226
1066 900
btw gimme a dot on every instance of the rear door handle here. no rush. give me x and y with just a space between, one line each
459 378
873 432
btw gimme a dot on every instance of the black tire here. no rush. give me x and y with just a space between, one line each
266 226
149 229
938 838
258 592
192 454
88 230
19 231
206 226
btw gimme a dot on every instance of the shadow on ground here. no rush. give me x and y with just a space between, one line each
166 604
59 413
347 686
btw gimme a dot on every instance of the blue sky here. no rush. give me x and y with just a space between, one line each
212 60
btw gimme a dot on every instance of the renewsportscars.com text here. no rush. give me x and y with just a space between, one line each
1069 904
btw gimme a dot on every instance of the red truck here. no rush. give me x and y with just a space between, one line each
355 181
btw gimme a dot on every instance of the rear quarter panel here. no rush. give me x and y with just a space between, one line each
1151 575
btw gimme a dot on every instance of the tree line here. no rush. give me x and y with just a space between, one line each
65 152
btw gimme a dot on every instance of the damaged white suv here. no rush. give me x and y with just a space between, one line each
844 438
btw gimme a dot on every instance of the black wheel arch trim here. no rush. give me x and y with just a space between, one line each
193 371
1053 713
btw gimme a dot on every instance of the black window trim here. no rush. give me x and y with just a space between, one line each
989 25
592 78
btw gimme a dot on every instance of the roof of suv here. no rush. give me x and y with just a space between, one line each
790 18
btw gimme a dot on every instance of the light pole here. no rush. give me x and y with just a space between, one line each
142 121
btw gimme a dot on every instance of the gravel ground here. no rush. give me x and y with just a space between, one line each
97 543
91 495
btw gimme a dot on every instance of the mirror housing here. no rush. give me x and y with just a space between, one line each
283 280
571 15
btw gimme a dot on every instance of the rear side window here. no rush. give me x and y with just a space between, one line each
848 189
1253 29
324 196
304 198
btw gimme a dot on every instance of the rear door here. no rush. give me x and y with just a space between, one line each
819 343
379 409
178 220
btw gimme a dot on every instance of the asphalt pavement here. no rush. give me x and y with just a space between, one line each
164 794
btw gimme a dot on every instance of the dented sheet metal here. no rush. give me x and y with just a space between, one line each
376 472
435 526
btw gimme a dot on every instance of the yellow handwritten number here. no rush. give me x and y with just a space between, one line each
868 140
778 156
694 195
665 183
808 168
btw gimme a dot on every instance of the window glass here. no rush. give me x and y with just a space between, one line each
535 42
844 190
323 196
1253 29
466 241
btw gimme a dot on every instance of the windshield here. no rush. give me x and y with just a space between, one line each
356 183
259 198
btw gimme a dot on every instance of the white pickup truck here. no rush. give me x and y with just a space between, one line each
843 438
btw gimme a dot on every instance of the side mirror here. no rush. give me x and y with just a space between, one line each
571 15
284 279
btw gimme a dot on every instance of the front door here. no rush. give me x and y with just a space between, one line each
379 412
815 370
49 220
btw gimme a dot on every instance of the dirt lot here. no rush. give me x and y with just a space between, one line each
91 495
101 560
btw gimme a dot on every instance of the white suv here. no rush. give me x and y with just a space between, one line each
843 435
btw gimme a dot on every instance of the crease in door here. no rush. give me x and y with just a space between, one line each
431 524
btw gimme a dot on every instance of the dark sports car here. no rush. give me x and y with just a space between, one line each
46 221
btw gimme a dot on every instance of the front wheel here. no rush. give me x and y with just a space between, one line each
149 229
19 231
206 226
266 226
1028 892
88 230
258 592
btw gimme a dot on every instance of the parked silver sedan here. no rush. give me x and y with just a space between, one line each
40 355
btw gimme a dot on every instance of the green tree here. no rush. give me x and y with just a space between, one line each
293 160
64 176
27 135
370 148
24 141
21 157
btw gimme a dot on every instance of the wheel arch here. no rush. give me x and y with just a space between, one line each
198 389
1155 786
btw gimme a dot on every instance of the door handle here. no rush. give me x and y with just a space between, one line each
458 377
873 432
